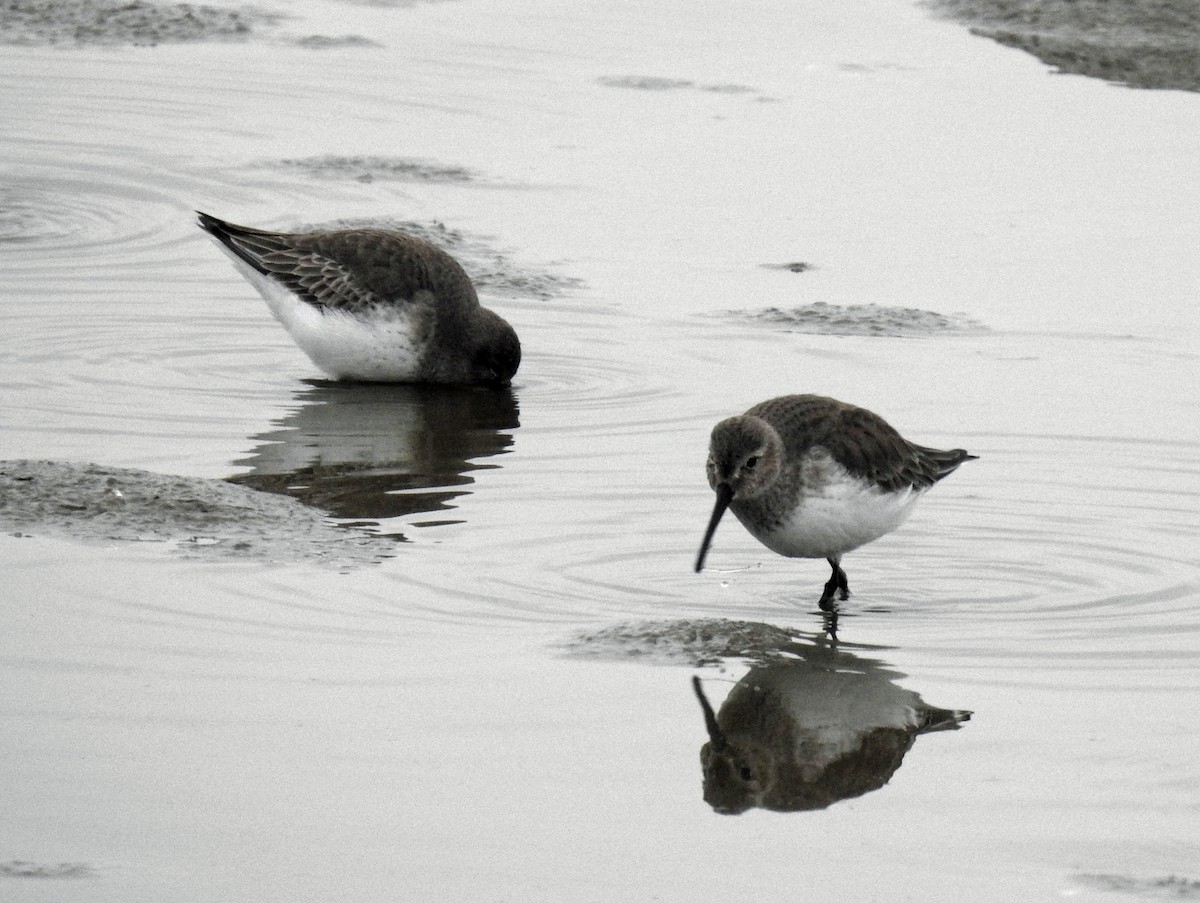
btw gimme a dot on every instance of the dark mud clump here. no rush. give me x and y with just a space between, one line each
1139 43
821 318
728 88
195 517
1170 887
795 266
330 42
116 22
661 83
696 643
19 868
369 168
644 82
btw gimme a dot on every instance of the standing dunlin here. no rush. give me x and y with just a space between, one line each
813 477
374 305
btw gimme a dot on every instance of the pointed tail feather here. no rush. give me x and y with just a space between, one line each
245 243
939 463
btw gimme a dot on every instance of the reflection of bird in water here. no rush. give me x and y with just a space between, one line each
799 734
375 305
813 477
380 451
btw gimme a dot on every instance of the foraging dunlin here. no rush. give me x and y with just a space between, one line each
374 305
813 477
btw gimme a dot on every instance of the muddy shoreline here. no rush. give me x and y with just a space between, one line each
1137 43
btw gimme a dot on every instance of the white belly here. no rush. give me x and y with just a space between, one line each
383 348
842 516
348 346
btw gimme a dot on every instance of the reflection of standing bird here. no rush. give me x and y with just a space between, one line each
804 733
812 477
374 305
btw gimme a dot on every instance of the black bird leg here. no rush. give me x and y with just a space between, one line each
838 586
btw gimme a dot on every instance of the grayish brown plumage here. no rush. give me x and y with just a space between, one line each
392 307
814 477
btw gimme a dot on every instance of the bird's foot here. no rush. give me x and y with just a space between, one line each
835 589
843 585
837 585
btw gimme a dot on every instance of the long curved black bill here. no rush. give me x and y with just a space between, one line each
710 718
724 497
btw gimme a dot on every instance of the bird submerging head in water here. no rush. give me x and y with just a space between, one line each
374 305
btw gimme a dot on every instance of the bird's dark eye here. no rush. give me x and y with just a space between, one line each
751 462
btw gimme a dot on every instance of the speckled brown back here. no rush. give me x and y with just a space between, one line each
353 269
861 441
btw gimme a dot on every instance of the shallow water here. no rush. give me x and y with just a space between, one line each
500 706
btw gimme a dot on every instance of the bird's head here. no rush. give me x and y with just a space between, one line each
745 456
496 350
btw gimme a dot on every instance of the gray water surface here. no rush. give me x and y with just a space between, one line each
468 675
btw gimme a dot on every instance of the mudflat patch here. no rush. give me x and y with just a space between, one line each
1139 43
654 83
193 516
20 868
122 22
1166 887
820 318
370 168
794 266
704 641
335 42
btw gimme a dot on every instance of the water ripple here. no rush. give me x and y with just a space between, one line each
995 553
